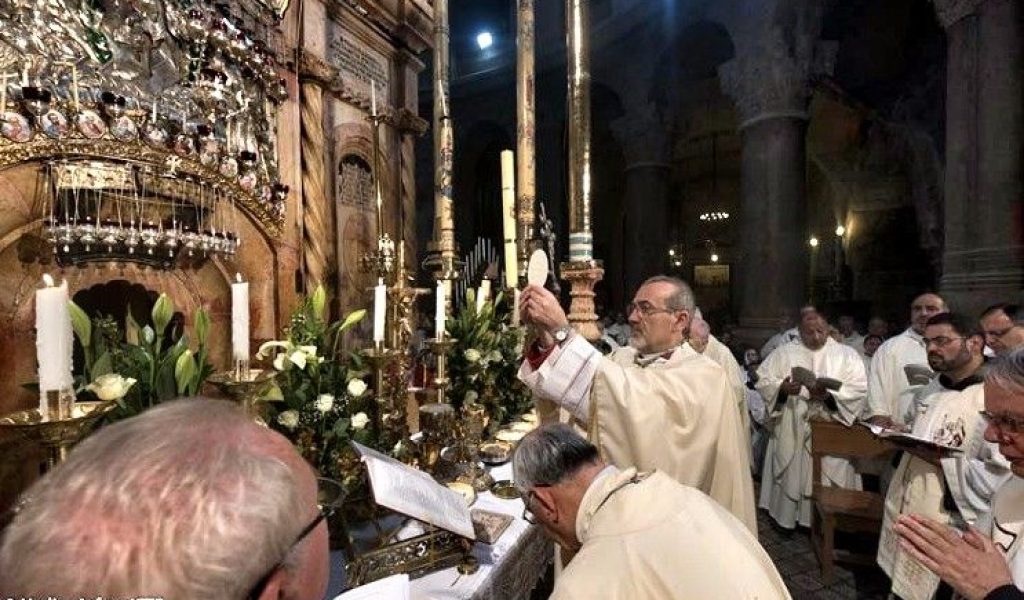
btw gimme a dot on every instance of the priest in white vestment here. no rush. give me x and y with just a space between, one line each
701 340
786 476
636 535
889 393
655 404
987 561
948 486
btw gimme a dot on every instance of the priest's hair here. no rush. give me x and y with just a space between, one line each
188 500
681 299
550 455
1007 372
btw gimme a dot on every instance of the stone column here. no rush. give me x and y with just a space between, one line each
983 258
643 134
318 227
771 93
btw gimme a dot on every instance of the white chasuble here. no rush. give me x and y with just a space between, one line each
675 414
1004 524
918 487
720 353
646 537
786 477
889 392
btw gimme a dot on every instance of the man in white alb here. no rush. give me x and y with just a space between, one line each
701 340
656 404
786 475
889 394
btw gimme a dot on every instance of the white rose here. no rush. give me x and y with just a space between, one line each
298 358
470 397
324 402
494 356
360 420
111 386
289 419
472 355
356 388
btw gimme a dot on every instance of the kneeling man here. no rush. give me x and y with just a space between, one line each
636 535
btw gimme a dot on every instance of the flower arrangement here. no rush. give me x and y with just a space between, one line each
485 360
321 397
140 366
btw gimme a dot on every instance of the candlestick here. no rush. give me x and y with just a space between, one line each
240 319
439 311
53 340
380 307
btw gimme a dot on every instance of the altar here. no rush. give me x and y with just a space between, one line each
509 569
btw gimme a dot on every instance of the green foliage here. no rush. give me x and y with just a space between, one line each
485 359
161 373
321 399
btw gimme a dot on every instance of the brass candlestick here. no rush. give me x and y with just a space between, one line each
388 418
246 387
56 433
441 346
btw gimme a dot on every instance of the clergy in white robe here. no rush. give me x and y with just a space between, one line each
637 535
701 340
779 339
889 393
948 487
653 405
786 476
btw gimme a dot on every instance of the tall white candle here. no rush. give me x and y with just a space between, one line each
483 293
515 307
439 313
373 98
511 265
240 319
508 195
53 337
152 117
380 307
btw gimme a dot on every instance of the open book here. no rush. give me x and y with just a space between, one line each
808 379
905 437
415 494
918 374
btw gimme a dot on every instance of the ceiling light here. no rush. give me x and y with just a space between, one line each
813 242
714 258
840 231
484 40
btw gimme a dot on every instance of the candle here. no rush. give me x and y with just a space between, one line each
74 86
440 92
152 117
373 98
515 307
508 195
439 312
24 74
483 293
380 306
3 93
240 319
511 265
53 338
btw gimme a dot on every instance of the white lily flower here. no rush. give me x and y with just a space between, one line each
298 358
324 402
309 351
279 361
289 419
111 386
360 420
265 348
356 388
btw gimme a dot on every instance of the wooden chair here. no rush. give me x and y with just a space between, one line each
837 509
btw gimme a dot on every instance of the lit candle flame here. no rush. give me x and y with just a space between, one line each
238 277
48 280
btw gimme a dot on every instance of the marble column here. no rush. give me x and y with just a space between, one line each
643 134
983 258
771 94
318 227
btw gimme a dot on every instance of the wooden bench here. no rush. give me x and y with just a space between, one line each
838 509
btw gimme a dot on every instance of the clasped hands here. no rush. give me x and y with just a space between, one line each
540 309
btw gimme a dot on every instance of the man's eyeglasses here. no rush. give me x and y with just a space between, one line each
940 341
646 309
329 496
528 515
1004 423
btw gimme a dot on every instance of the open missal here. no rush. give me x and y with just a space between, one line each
906 437
808 379
415 494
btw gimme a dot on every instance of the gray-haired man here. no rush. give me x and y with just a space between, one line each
637 535
188 500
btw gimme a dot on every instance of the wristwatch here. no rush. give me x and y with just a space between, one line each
562 334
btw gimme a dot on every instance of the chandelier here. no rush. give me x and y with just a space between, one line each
717 215
152 122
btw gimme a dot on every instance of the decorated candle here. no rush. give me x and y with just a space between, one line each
240 319
380 307
53 337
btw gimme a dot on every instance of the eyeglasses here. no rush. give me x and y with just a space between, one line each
1004 423
528 515
646 309
329 496
940 341
999 334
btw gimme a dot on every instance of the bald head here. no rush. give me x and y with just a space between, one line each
700 332
813 329
924 307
